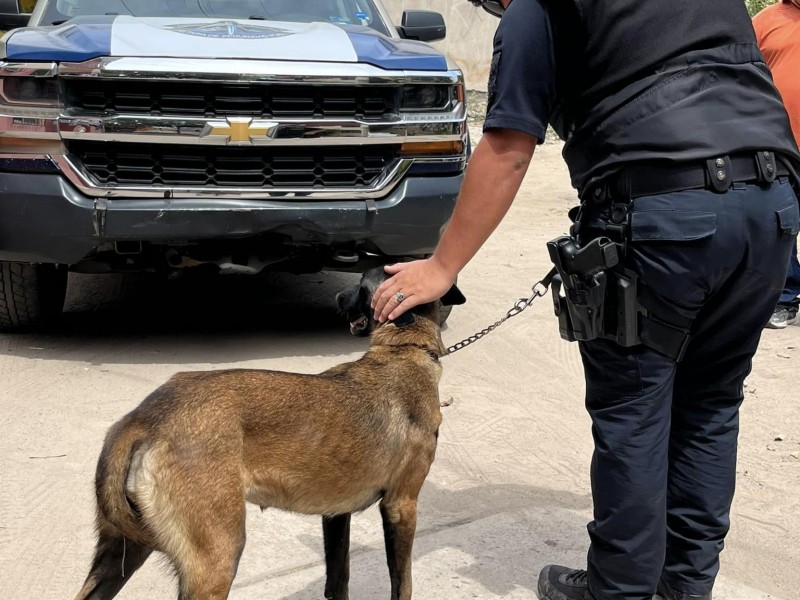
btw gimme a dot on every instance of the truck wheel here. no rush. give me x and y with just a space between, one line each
30 295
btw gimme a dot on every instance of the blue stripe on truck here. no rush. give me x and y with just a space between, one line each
74 41
393 54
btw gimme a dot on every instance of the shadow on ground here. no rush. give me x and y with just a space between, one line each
251 317
483 528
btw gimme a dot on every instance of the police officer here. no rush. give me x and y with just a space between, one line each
680 147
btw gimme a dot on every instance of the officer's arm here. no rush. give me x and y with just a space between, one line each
521 92
493 178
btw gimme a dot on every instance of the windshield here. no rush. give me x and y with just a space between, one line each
339 12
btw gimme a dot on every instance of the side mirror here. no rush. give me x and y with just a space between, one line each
422 25
11 15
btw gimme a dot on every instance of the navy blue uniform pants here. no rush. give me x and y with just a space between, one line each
664 467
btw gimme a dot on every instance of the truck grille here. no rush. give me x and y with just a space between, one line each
114 164
214 99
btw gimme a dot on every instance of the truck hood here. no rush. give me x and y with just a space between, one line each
85 38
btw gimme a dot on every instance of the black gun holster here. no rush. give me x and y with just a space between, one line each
594 296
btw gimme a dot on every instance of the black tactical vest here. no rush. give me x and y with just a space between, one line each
676 80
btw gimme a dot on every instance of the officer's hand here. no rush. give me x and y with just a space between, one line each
420 282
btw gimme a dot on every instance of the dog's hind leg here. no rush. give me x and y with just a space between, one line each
207 556
336 531
206 572
399 525
115 560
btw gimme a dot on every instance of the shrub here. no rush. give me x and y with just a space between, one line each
754 6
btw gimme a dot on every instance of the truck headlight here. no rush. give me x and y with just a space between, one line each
427 97
29 91
29 110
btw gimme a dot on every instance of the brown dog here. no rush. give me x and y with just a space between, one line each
174 474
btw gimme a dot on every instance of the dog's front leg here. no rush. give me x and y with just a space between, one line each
399 526
336 531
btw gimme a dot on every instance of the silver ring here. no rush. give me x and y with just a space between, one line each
399 296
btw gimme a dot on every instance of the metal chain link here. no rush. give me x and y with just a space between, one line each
537 291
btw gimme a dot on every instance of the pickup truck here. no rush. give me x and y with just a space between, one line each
163 135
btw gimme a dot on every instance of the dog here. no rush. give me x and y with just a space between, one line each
174 474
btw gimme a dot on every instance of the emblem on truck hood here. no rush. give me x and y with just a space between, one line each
240 131
230 30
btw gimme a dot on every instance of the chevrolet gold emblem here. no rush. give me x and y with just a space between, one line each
241 131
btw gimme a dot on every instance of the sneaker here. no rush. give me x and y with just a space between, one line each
784 315
562 583
667 592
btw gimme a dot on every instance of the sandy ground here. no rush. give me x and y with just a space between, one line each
509 489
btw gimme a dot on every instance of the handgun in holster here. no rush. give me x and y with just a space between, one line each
599 296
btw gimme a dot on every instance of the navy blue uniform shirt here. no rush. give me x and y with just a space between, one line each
522 79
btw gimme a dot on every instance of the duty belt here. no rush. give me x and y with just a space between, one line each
717 174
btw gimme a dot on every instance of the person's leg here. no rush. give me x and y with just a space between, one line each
629 397
786 311
703 444
791 290
708 392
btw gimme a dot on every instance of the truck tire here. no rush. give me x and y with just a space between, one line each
30 295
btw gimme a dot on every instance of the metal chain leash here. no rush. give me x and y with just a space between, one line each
537 291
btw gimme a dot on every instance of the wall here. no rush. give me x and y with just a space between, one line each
469 34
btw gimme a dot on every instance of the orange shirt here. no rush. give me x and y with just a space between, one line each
778 33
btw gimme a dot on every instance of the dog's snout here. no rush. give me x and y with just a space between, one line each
347 303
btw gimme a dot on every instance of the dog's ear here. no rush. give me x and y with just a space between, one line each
406 319
453 297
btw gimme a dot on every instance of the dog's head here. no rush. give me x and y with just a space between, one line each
355 303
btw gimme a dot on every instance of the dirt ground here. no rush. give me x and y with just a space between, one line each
509 489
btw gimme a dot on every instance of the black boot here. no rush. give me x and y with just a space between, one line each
667 592
562 583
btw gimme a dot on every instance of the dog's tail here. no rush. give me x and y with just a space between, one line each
114 504
123 543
